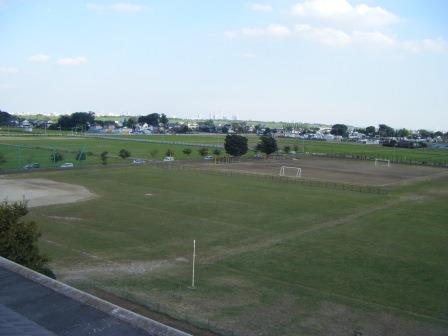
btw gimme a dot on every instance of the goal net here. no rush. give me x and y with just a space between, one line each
382 162
290 171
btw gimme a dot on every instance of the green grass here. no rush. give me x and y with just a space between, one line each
374 151
19 151
265 262
41 148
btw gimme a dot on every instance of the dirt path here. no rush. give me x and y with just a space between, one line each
41 192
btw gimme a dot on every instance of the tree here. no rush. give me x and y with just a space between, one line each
5 118
425 134
403 133
152 119
83 119
18 238
267 145
56 157
130 123
296 148
340 130
164 120
124 154
78 120
187 151
104 156
235 145
203 151
169 152
153 153
370 130
287 149
385 131
267 131
217 152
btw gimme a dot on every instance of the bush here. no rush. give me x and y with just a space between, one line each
104 156
203 151
187 151
124 154
169 152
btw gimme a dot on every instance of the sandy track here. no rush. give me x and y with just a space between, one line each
41 192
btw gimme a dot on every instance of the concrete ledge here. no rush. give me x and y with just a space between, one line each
151 326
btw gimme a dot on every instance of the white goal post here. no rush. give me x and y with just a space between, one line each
297 172
383 161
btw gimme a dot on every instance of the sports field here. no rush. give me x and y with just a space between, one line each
273 258
21 150
357 172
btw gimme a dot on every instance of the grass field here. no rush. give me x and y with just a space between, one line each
39 148
273 258
19 151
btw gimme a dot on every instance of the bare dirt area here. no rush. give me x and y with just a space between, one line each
332 170
41 192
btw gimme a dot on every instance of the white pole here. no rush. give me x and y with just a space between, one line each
194 259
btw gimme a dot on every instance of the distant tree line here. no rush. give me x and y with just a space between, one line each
154 119
75 121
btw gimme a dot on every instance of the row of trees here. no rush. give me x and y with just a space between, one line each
84 120
77 120
386 131
153 119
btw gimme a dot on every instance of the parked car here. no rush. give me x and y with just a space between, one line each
138 161
258 156
208 157
67 165
32 166
168 158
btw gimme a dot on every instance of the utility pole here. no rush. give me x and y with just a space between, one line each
194 260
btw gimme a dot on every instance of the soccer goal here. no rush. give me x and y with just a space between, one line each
382 162
290 171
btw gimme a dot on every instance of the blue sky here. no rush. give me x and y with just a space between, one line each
356 62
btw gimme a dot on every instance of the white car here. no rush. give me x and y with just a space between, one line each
138 161
208 157
67 165
168 159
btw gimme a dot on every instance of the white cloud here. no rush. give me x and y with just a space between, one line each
373 39
327 36
342 12
72 61
257 7
8 71
272 30
123 7
39 58
429 45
